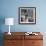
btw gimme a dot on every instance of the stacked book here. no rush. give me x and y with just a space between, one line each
30 33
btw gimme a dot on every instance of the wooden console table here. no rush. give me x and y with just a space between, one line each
20 39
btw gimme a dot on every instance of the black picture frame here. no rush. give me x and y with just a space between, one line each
27 15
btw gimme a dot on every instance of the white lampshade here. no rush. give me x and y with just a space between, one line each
9 21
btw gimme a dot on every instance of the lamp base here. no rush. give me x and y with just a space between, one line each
9 33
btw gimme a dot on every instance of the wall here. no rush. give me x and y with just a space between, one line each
9 8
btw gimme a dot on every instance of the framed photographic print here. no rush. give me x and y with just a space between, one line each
27 15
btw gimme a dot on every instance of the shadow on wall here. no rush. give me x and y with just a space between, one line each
2 21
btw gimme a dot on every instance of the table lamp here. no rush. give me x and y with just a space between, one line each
9 21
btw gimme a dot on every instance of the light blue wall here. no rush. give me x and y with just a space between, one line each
9 8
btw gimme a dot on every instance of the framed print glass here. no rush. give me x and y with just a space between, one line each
27 15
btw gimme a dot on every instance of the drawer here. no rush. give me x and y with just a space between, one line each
16 37
37 43
33 43
9 43
13 43
28 37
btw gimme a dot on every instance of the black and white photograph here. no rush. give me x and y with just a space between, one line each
27 15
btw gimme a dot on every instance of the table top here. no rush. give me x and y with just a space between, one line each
22 35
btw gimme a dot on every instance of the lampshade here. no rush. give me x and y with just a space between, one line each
9 21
